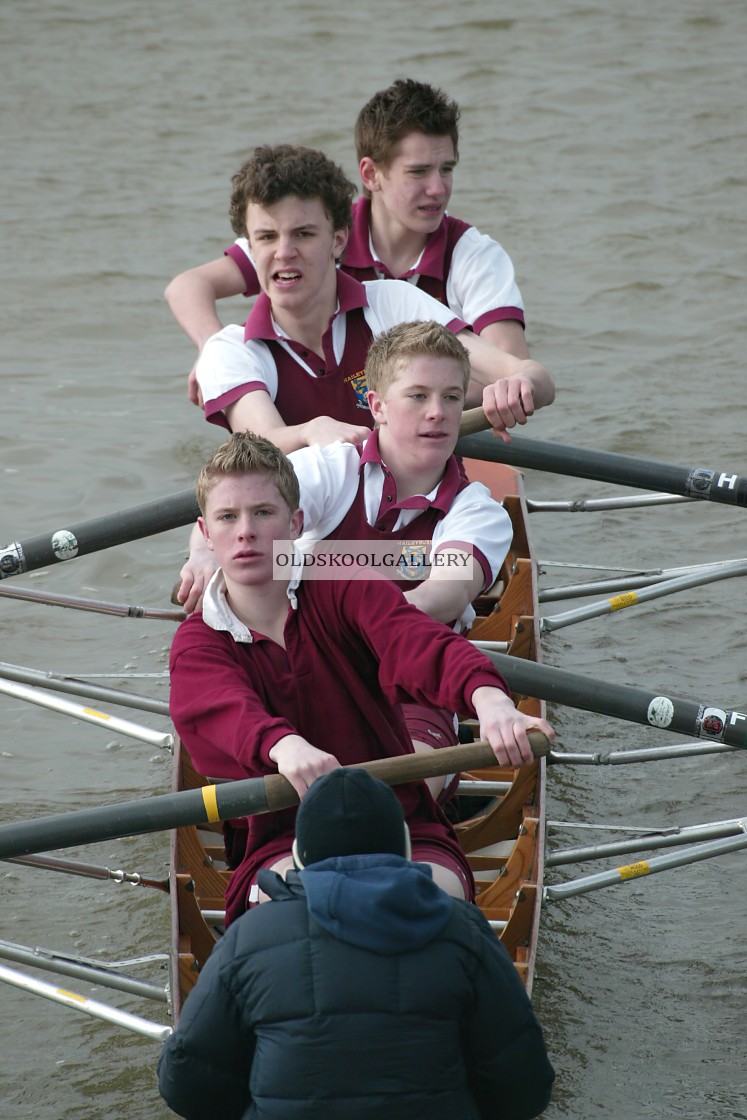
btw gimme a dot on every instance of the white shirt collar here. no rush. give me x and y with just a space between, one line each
218 614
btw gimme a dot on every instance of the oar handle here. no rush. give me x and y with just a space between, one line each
411 767
219 802
473 420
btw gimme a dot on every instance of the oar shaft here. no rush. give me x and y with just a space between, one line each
89 871
92 1007
221 802
102 532
607 466
677 838
55 682
129 818
122 610
644 867
626 583
88 715
637 705
81 969
633 598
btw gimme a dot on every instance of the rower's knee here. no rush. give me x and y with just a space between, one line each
448 881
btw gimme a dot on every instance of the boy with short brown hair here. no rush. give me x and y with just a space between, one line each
255 676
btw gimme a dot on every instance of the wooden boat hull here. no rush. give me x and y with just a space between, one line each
504 841
505 845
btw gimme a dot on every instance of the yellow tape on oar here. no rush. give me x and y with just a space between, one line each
210 801
71 995
634 870
619 602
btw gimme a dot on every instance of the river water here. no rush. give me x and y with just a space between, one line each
604 145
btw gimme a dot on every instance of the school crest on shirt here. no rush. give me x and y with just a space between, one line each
413 560
357 382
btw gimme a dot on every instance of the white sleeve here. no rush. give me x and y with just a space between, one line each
228 362
328 477
243 244
395 301
481 277
476 518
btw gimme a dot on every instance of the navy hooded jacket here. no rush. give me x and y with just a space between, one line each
361 991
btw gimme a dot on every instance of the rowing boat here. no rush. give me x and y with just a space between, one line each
504 840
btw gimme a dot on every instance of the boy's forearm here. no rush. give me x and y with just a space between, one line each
443 602
507 335
192 303
255 412
192 297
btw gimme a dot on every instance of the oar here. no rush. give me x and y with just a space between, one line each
647 841
634 598
123 610
629 582
103 532
631 871
77 1002
128 525
606 466
56 682
107 973
637 705
89 715
221 802
89 871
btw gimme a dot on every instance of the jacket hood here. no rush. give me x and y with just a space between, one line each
379 902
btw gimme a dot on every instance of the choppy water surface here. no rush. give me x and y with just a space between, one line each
604 145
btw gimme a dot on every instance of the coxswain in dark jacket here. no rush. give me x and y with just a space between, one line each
361 990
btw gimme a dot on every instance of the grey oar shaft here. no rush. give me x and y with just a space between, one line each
86 870
644 867
123 610
646 842
88 715
591 505
627 583
633 598
39 958
145 1027
57 683
643 754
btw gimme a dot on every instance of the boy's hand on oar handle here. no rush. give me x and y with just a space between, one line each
473 421
506 728
300 763
539 742
506 403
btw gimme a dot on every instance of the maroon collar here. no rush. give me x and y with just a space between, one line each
259 325
358 250
448 488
